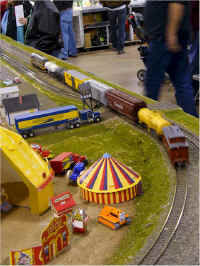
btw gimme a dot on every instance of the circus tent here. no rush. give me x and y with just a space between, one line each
108 181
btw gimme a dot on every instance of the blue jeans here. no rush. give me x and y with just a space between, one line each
67 32
117 26
161 60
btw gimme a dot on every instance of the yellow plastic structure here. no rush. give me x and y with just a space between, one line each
113 217
152 120
32 169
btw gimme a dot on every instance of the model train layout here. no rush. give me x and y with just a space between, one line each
133 108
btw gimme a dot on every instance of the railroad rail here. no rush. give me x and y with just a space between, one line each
158 246
33 75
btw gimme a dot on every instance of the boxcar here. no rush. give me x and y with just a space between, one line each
124 103
26 124
176 145
99 90
74 78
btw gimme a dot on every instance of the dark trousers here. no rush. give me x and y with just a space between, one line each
117 26
161 60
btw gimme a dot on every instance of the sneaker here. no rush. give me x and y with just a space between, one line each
121 52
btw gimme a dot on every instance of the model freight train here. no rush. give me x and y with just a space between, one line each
132 107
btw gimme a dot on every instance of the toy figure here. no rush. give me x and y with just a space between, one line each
79 221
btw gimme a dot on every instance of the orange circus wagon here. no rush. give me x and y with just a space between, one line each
108 181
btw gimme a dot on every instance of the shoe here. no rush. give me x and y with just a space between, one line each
121 52
73 55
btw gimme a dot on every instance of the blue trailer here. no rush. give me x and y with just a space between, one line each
70 116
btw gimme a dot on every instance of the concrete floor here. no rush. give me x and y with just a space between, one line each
119 69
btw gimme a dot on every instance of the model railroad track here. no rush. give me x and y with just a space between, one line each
172 222
33 75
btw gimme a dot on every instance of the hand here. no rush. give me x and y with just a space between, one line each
23 21
172 42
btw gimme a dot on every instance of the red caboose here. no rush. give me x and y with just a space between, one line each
176 144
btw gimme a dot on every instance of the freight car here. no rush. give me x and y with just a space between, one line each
176 145
54 70
69 115
38 61
73 78
124 104
153 120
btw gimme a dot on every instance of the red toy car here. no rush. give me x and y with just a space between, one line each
66 160
45 154
62 203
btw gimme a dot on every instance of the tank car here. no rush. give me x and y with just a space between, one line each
124 104
153 120
176 145
38 61
55 70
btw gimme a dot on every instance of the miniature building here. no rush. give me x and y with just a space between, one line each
19 105
62 203
8 92
108 181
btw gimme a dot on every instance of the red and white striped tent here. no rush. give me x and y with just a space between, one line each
108 181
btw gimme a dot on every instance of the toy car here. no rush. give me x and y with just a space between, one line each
8 82
16 80
45 154
78 168
5 206
113 217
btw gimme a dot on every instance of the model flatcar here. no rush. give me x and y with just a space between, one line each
176 145
124 104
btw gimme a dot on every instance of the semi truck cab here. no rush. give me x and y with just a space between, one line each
89 116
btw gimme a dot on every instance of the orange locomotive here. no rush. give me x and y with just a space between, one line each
113 217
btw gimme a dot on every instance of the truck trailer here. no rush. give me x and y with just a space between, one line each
70 116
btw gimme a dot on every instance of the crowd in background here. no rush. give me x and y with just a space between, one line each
48 26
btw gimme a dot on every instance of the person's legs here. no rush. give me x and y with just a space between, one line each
113 28
121 14
180 75
157 61
64 26
72 41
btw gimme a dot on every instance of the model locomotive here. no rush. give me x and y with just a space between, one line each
132 107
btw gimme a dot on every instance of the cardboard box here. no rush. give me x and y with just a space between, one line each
88 42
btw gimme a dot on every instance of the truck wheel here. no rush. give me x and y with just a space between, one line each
32 134
71 126
78 124
25 136
98 119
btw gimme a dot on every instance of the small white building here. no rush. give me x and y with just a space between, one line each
19 105
8 92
